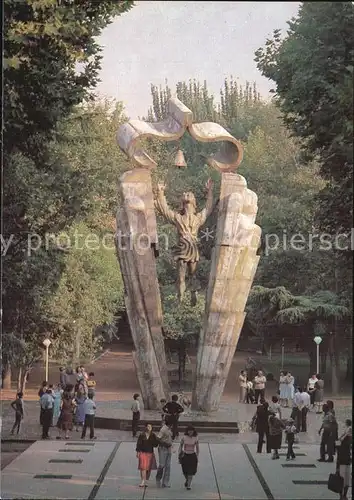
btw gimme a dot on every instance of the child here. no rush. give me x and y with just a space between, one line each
290 431
91 384
250 392
17 405
89 408
135 414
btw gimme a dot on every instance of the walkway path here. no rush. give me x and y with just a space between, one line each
108 470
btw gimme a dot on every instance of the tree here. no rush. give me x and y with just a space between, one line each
313 71
89 292
312 68
85 163
44 40
318 314
275 313
182 324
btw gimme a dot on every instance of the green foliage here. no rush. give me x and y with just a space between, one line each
312 68
43 42
182 321
89 291
79 184
323 306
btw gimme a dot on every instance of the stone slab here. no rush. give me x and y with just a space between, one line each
234 475
280 480
203 485
17 479
122 478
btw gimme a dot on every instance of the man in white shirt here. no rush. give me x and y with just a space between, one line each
165 452
302 403
90 407
259 386
311 389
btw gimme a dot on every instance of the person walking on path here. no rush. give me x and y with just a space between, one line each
58 393
189 454
327 439
135 414
282 389
243 386
79 411
164 449
344 458
65 421
145 445
47 403
89 410
311 388
17 406
173 410
290 431
318 397
276 427
262 426
289 388
259 386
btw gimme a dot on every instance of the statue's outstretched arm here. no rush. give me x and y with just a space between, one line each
204 214
162 205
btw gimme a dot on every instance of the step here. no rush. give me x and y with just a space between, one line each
155 421
206 427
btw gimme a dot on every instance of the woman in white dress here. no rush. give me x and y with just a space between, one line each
289 389
282 389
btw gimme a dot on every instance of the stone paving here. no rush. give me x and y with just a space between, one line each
108 470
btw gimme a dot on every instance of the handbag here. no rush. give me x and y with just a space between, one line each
335 483
180 457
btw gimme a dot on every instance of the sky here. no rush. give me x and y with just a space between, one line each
175 41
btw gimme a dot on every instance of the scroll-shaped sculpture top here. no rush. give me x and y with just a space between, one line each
179 119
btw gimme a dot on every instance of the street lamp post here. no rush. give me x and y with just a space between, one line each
317 341
46 343
282 354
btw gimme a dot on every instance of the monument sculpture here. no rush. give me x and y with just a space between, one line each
234 256
188 222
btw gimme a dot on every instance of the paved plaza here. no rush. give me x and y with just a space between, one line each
108 470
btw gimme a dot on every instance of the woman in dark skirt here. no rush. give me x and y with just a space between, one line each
188 455
276 427
145 445
65 420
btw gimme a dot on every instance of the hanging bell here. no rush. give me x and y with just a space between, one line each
180 162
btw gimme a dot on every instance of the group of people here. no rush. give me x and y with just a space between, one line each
188 454
70 403
269 425
171 410
252 389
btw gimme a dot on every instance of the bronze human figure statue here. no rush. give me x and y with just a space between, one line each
188 222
